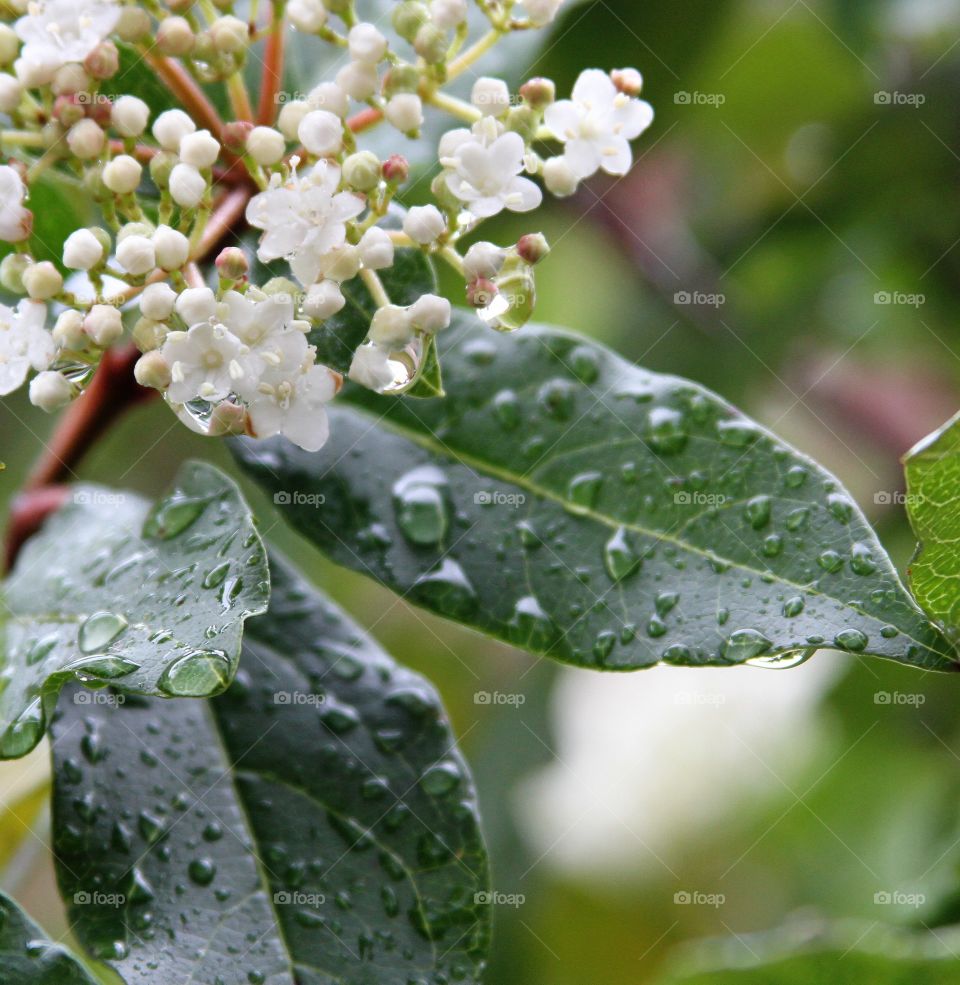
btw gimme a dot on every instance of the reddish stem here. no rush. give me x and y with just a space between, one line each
272 77
226 214
365 119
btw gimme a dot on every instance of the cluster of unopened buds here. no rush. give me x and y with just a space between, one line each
167 187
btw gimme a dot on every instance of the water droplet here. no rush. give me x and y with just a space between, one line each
40 649
24 732
173 515
782 661
757 511
419 499
603 645
584 363
889 632
202 871
830 561
794 606
448 589
558 398
619 558
665 431
441 779
772 545
197 675
530 626
665 602
151 828
103 667
340 719
99 630
745 644
797 518
584 489
677 654
861 560
529 537
796 476
506 405
737 434
215 576
656 627
840 507
852 640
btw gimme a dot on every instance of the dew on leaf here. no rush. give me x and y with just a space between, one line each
793 606
197 674
448 589
530 625
619 558
99 630
757 511
584 489
665 431
745 644
421 506
852 640
506 405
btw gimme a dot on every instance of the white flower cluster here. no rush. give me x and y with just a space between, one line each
231 356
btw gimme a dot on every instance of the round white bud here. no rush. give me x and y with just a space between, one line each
559 177
430 313
9 44
196 304
376 249
405 112
175 36
307 15
70 79
358 80
129 116
329 96
122 174
33 72
82 250
10 93
483 260
490 96
42 280
172 248
199 149
187 185
85 140
137 255
342 263
391 327
171 127
366 43
290 116
68 330
103 324
323 300
362 171
50 391
152 370
266 145
229 34
448 14
424 223
321 132
157 301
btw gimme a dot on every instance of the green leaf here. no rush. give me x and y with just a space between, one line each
843 954
151 600
29 957
579 506
314 824
933 505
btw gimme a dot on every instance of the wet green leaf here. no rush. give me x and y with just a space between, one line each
577 505
28 957
314 824
933 505
151 599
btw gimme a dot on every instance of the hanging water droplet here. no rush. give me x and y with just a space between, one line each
215 576
198 674
102 666
665 431
782 661
530 626
665 602
852 640
603 645
448 589
584 489
619 557
99 630
745 644
24 732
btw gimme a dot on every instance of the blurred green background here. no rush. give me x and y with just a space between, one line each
790 237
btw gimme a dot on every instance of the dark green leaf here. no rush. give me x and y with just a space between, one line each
315 823
933 505
428 382
579 506
28 957
113 591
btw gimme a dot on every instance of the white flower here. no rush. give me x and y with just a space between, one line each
294 406
448 14
15 221
25 343
323 300
199 149
483 260
542 12
137 255
203 362
303 220
307 15
483 170
157 301
391 327
55 32
405 112
430 313
50 391
371 368
490 96
171 127
597 124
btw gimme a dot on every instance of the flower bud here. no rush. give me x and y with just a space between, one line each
342 263
235 134
376 249
401 78
307 15
9 44
71 78
366 43
170 127
187 186
149 334
103 62
559 177
122 174
448 14
229 34
134 23
430 313
323 300
358 80
68 110
483 260
290 118
175 36
541 12
405 112
12 268
266 145
490 96
424 223
161 167
523 120
391 327
50 391
321 132
196 304
539 93
331 97
172 248
42 281
82 250
33 73
362 171
232 263
157 301
103 324
129 116
10 93
98 108
68 330
442 194
152 371
533 247
227 418
431 44
85 140
137 255
627 80
199 149
280 285
409 17
481 292
396 169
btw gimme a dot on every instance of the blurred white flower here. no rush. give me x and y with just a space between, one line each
55 32
25 343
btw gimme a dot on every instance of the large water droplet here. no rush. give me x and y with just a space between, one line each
745 644
757 511
783 661
448 589
420 503
793 606
103 666
619 557
202 871
852 640
665 431
506 405
171 516
24 732
197 674
530 626
99 630
441 779
584 489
